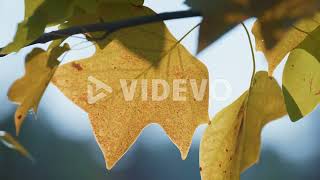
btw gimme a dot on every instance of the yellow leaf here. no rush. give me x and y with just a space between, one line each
287 41
117 121
28 90
12 143
143 53
231 143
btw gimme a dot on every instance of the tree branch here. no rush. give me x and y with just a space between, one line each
113 26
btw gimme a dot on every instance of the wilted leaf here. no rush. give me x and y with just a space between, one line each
288 40
11 143
117 121
231 143
27 91
275 16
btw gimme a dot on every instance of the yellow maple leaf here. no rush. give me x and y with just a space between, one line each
231 143
135 58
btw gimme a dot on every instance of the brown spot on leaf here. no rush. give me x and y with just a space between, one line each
20 116
76 66
200 169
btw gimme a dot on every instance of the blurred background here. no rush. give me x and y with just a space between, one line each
61 140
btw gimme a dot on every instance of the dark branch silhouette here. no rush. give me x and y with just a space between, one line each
112 26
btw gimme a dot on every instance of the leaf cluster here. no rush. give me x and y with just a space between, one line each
231 142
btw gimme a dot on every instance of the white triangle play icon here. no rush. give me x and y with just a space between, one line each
98 85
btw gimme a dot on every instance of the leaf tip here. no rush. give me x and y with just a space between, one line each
109 167
18 120
184 154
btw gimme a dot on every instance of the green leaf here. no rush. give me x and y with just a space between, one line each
288 40
301 77
292 107
231 143
40 14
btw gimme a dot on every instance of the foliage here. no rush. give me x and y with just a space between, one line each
231 142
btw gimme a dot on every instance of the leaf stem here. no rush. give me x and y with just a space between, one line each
246 103
184 36
189 32
252 54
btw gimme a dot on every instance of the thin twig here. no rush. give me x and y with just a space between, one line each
113 26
